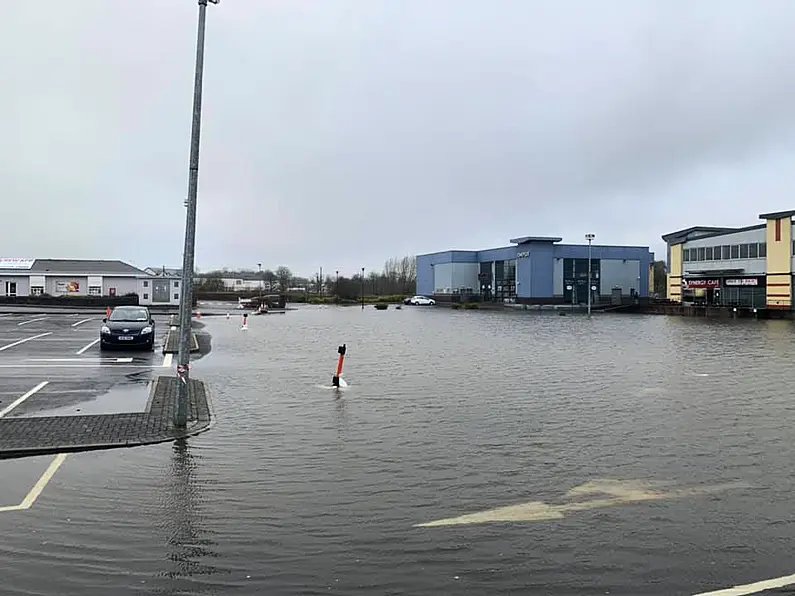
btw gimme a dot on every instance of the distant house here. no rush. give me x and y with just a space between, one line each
241 281
83 277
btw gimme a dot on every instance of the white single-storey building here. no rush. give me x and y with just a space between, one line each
72 277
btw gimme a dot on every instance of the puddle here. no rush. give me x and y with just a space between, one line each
119 400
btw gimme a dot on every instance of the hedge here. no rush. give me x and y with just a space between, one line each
126 300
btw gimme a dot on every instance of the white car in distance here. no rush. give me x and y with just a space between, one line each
422 301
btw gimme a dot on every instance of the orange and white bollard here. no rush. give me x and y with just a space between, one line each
107 312
335 380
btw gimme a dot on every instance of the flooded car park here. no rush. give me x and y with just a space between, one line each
547 471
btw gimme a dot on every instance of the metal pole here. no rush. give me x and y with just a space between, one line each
589 238
186 302
259 266
362 288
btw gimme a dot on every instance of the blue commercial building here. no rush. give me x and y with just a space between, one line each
537 270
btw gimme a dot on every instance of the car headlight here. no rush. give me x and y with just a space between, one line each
105 330
146 330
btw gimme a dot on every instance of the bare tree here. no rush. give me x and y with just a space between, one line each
284 276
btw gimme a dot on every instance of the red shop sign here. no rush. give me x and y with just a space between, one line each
700 283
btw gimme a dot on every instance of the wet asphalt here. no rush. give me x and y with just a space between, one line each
63 351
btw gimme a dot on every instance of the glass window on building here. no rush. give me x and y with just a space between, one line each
716 253
701 253
743 251
686 255
763 249
725 252
708 253
509 270
499 268
735 251
753 250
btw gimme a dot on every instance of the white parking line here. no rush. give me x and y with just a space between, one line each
84 360
167 360
56 365
31 321
22 341
755 588
81 322
84 348
22 398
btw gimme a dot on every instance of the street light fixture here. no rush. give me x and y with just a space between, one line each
189 253
589 238
337 285
362 288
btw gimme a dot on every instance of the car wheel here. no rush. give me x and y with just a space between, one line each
103 347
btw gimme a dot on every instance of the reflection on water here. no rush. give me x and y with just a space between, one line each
298 490
190 545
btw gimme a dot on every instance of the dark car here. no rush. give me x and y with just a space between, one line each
128 326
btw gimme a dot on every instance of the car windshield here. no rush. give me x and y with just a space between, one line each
129 314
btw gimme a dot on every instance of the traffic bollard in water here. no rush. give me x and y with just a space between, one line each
335 380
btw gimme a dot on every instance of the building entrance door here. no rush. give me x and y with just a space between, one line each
160 290
11 288
575 280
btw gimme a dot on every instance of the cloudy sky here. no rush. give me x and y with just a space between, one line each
338 133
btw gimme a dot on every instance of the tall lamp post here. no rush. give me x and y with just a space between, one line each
589 238
337 285
188 257
259 266
362 288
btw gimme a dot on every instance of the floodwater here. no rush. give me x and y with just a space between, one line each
624 455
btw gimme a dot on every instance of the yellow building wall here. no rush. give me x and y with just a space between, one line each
779 264
651 278
675 274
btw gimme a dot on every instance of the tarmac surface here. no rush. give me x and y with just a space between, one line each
61 394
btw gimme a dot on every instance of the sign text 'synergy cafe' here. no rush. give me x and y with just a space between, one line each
700 283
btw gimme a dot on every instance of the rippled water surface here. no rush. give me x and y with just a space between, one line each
298 489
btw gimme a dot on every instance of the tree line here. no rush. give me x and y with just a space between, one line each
398 276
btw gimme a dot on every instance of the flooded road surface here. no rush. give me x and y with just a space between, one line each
472 453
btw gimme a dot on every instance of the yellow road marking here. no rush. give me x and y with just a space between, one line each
37 489
45 478
755 588
619 493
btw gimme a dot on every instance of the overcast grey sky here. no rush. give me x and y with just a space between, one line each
338 133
